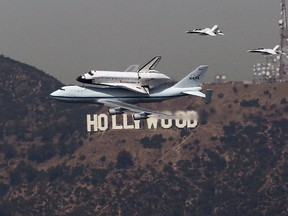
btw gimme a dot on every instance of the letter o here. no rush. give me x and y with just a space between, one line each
181 122
102 122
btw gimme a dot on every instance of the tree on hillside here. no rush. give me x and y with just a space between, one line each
154 142
124 160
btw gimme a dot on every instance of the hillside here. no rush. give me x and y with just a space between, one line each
233 163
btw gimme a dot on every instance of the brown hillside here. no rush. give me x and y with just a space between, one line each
233 163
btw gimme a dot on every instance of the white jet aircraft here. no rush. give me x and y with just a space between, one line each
141 80
264 51
120 99
206 31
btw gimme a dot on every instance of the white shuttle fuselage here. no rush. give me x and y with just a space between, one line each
152 78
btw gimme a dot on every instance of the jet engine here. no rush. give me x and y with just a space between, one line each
115 111
139 116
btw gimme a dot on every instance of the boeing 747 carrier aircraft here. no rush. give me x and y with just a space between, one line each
120 99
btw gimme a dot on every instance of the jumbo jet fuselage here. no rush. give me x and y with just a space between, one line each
90 94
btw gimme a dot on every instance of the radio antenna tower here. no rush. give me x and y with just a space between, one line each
284 42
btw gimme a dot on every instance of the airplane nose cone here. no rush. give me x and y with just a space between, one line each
83 80
53 95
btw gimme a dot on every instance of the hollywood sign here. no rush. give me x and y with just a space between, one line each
103 122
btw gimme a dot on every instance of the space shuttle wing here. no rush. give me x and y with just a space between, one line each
133 108
138 88
130 86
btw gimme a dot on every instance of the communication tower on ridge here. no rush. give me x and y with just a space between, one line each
283 72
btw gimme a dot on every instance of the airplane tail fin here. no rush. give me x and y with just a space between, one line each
150 65
214 28
193 79
276 47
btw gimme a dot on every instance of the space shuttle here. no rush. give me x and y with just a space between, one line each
138 80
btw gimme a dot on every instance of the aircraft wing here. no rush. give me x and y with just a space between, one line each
210 33
130 86
195 93
255 51
192 32
133 108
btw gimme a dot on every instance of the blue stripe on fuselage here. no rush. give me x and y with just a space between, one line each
124 99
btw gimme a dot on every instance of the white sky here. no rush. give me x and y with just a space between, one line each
66 38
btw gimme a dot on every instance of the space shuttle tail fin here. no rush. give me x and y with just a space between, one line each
150 65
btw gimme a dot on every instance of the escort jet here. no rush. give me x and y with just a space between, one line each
206 31
264 51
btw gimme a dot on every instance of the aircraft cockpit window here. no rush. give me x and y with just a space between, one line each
62 89
90 73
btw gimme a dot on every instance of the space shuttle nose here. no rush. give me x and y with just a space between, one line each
79 79
83 80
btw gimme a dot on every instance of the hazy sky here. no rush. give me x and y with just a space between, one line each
66 38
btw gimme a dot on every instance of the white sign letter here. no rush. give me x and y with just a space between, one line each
102 122
91 123
181 120
152 121
166 123
114 123
137 124
125 122
192 119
